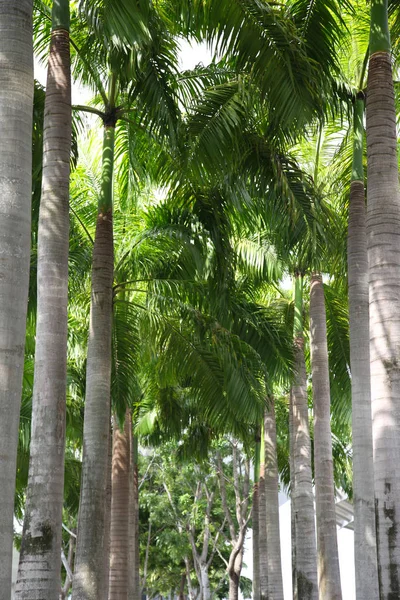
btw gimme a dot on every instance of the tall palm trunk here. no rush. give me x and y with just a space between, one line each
255 521
91 545
292 503
275 582
328 559
306 558
262 523
16 98
120 504
40 557
134 558
383 230
366 566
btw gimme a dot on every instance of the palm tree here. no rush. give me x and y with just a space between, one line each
16 102
367 583
303 496
383 214
328 560
275 582
255 519
121 500
41 538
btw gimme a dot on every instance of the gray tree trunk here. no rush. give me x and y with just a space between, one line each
275 581
119 534
365 553
255 539
92 539
303 496
16 98
134 556
292 502
262 528
40 556
383 229
328 559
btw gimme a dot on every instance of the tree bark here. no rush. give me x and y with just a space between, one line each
255 522
383 230
306 559
262 524
92 539
119 536
292 502
275 581
365 552
328 559
134 567
16 98
40 556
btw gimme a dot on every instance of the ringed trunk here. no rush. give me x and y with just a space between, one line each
275 582
365 553
40 556
328 559
16 100
383 238
306 559
120 504
262 523
255 521
92 538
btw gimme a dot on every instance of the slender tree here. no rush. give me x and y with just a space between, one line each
365 553
328 559
275 581
16 102
383 218
303 496
40 557
120 503
91 541
255 519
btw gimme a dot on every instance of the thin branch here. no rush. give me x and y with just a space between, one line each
69 531
89 109
66 565
82 224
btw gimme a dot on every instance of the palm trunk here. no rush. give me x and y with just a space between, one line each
40 557
275 582
134 558
119 537
306 559
92 538
366 566
16 98
292 504
328 559
383 230
255 521
107 523
262 523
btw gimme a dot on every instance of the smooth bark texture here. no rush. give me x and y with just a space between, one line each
134 552
303 496
275 582
255 521
328 560
365 553
92 538
383 230
119 535
262 524
16 97
292 502
40 557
